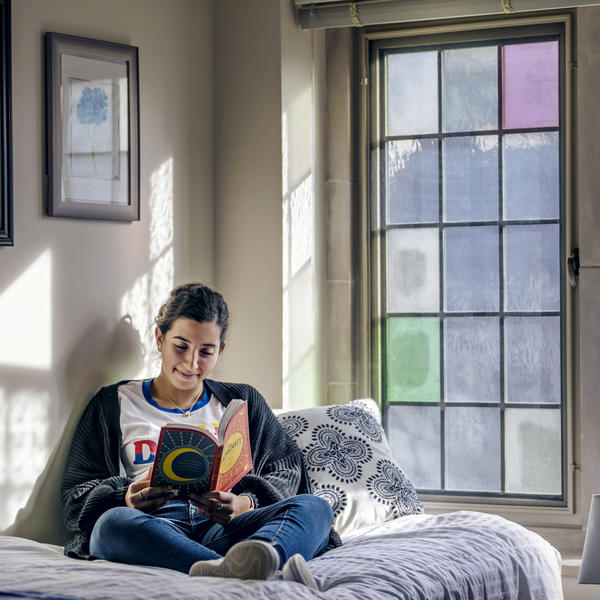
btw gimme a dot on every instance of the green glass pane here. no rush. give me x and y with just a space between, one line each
413 359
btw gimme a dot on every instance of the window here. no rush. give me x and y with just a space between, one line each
467 193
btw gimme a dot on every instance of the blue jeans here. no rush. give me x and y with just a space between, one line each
177 535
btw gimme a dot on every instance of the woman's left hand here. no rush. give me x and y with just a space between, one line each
222 507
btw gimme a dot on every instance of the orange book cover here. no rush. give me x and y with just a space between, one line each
192 460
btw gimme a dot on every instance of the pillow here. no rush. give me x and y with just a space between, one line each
350 463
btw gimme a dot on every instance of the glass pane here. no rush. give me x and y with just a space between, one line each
471 269
412 93
413 270
472 359
471 178
412 183
470 89
414 435
531 178
530 85
532 348
531 268
533 451
413 360
472 449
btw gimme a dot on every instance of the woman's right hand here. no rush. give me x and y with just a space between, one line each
143 497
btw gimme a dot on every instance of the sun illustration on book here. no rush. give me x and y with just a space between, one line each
188 458
170 458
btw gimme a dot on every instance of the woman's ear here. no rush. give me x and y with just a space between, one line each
222 347
159 338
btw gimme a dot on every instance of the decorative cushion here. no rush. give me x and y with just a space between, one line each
350 463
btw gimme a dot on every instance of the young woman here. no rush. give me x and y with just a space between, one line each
267 526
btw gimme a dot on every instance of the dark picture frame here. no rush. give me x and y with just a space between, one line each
6 174
92 121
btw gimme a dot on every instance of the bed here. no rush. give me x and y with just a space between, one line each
391 549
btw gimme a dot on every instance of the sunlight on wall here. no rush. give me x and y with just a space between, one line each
145 296
298 294
24 447
25 312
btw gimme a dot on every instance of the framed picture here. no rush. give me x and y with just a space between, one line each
92 118
6 188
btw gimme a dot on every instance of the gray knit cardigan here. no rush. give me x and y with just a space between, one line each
93 481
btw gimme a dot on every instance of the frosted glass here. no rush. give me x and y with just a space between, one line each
531 268
470 89
531 176
533 451
413 270
472 449
412 182
530 85
472 359
414 435
412 93
471 269
532 348
413 359
471 178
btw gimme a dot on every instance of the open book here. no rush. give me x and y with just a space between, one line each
193 460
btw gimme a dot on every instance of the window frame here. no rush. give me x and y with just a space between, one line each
6 183
528 512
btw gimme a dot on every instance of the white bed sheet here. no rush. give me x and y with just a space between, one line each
459 556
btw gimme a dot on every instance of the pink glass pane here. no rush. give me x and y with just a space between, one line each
530 85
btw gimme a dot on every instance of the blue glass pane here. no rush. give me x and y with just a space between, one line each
531 176
412 183
532 268
472 449
414 435
471 269
532 347
472 359
471 178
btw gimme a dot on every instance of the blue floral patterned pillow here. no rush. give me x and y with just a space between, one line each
350 463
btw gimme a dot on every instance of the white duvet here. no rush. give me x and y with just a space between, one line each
455 556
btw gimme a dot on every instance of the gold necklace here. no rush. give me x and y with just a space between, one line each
184 412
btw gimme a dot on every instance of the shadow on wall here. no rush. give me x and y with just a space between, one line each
104 354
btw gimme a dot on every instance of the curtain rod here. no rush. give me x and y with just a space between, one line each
321 14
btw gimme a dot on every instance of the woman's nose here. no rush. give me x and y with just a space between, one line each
192 358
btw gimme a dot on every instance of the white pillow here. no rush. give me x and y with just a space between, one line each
350 463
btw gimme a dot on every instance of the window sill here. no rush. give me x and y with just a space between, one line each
570 567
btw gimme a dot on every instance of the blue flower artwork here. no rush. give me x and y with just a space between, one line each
92 110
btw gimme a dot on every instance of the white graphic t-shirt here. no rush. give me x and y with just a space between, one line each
142 418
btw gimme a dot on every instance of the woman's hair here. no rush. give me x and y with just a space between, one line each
193 301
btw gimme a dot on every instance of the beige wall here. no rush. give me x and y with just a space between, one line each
247 154
67 283
269 256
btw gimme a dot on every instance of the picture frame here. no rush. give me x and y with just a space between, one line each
6 174
92 120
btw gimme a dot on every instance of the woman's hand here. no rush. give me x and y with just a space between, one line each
222 507
143 497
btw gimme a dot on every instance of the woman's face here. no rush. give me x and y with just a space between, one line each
189 352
